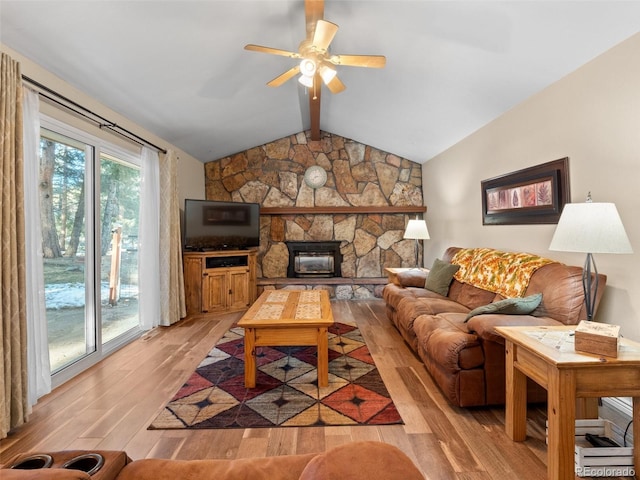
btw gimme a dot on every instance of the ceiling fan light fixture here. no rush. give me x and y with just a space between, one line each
306 81
307 67
327 73
314 59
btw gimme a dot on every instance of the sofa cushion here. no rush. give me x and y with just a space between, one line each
440 276
470 296
563 297
484 325
393 294
509 306
446 340
412 307
362 461
355 461
286 467
409 309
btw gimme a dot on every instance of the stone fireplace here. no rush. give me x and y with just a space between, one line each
362 209
313 259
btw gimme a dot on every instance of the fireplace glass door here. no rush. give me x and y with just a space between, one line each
314 264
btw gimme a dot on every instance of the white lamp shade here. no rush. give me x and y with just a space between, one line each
417 229
590 228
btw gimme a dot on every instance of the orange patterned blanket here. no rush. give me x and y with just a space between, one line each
505 273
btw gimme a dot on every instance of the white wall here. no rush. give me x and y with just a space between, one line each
190 169
591 116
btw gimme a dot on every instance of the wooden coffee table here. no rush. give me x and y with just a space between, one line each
287 318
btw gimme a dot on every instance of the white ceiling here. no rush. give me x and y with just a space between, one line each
178 67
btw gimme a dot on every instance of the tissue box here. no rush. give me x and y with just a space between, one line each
597 338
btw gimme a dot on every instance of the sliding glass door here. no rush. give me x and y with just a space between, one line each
119 222
89 200
66 255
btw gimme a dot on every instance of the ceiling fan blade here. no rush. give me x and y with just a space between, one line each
313 11
325 31
335 85
370 61
273 51
280 79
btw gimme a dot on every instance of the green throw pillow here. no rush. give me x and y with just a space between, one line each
440 276
509 306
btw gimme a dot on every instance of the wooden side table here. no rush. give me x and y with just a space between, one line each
546 355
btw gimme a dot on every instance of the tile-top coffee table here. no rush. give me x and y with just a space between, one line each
287 318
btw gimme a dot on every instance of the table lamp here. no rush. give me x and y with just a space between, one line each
590 228
417 229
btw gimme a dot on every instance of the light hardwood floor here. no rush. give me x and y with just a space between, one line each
110 406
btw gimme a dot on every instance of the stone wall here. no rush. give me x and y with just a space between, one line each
358 175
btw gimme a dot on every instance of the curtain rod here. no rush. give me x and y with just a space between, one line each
83 111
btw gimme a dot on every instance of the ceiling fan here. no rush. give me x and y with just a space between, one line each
317 65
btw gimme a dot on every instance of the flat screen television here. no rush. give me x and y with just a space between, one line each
214 225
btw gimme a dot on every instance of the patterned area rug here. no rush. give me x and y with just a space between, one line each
287 392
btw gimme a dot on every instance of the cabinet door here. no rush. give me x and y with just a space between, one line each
193 283
214 290
238 289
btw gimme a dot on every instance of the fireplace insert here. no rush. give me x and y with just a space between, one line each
314 259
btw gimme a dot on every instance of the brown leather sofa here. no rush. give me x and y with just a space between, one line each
355 461
466 358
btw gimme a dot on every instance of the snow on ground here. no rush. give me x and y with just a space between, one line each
72 295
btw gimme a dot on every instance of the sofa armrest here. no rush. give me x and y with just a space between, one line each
414 277
484 325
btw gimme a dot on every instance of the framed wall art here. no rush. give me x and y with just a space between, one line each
532 195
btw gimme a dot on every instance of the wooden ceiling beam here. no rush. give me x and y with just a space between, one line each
314 11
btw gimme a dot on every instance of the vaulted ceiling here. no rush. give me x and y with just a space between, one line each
178 67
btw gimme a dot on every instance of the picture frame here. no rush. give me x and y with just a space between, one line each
534 195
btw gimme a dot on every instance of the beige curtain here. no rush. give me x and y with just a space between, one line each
172 306
14 404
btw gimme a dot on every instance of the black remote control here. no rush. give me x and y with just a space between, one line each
598 441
